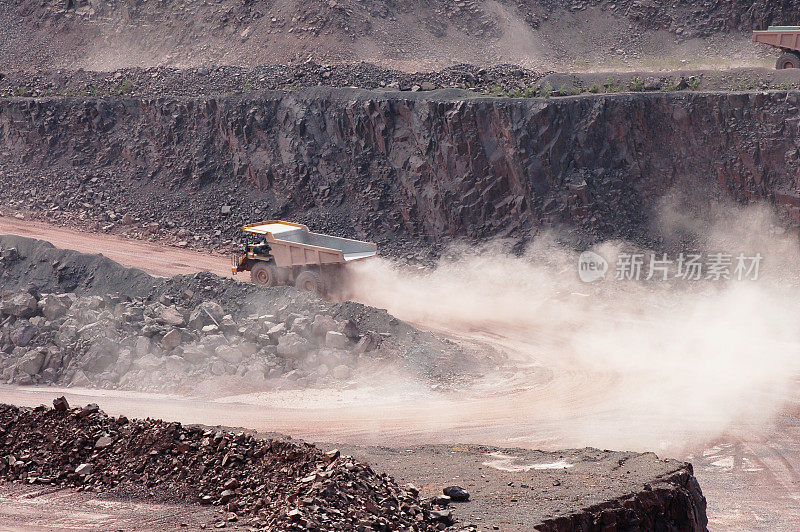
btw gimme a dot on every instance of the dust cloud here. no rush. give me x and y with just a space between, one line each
640 365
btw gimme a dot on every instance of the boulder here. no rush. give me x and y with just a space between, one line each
53 307
336 340
277 331
230 354
148 362
23 334
103 442
194 355
293 346
22 305
350 329
175 364
248 349
206 313
302 326
100 356
456 493
341 372
323 324
66 334
368 342
32 362
171 316
171 340
84 470
254 376
80 380
61 404
142 346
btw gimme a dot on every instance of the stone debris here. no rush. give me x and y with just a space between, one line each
270 484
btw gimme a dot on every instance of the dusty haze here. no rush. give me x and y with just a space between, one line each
647 365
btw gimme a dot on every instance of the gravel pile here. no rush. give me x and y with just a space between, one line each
268 484
162 81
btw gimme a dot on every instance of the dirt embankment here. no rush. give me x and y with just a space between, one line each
545 33
405 169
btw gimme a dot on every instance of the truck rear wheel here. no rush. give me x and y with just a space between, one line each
264 274
788 60
310 281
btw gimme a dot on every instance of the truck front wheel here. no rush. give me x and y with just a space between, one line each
788 60
264 274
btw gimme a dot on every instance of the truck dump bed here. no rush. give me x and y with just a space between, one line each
784 37
294 245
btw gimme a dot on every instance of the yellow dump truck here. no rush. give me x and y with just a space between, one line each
288 253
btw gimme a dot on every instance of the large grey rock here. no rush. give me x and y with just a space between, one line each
148 362
142 346
171 340
194 355
80 380
100 356
248 349
124 362
84 469
213 341
32 362
23 334
350 329
341 372
254 376
22 305
230 354
66 334
302 326
368 342
323 324
336 340
171 316
277 331
206 313
293 346
175 364
53 307
332 357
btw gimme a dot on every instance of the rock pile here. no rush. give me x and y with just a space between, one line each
174 334
268 484
130 343
161 81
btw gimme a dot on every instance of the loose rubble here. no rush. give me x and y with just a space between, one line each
222 80
267 484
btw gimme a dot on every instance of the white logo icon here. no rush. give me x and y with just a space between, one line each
591 267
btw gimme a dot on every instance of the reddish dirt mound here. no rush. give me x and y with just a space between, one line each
275 484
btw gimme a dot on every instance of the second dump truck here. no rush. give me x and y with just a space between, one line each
288 253
786 38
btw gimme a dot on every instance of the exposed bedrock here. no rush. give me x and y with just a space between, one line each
397 166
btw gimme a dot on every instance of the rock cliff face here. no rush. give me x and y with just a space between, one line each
399 167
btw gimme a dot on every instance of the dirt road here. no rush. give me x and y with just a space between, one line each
748 475
36 508
155 259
